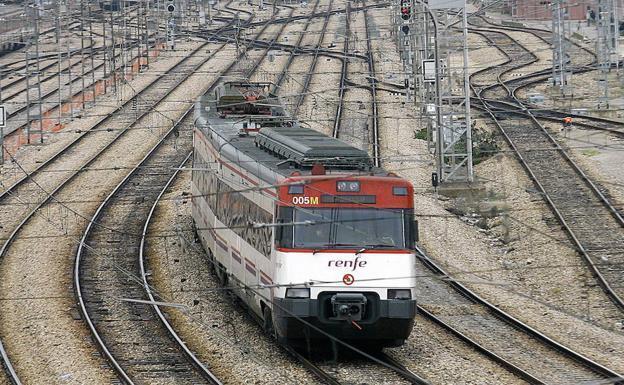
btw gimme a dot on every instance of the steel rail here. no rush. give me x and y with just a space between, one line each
8 191
482 349
343 75
509 108
102 346
514 322
54 92
413 377
594 268
312 68
6 72
373 89
291 57
543 75
312 367
3 354
147 286
9 71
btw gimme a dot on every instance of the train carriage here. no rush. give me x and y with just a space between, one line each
313 238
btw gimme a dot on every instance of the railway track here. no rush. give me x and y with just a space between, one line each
582 59
94 273
381 368
344 68
593 223
515 346
291 57
354 369
504 339
116 125
372 78
106 270
49 98
81 83
312 69
105 132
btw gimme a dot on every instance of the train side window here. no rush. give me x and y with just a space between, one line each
284 233
411 229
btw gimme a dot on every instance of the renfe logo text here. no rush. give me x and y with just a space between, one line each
354 264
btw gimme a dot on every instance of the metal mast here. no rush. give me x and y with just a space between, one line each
606 47
559 72
36 114
454 126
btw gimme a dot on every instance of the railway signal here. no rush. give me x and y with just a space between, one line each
171 7
170 33
406 10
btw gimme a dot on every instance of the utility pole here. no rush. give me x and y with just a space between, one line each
113 62
606 47
91 53
560 52
59 59
104 50
37 86
453 131
146 34
82 53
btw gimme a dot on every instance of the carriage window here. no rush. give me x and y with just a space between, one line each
343 228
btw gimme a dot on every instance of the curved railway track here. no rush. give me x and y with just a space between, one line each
94 272
517 84
119 124
106 274
512 344
361 370
106 131
592 221
504 339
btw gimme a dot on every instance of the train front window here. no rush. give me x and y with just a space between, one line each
348 228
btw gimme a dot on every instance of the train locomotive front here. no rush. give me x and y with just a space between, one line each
309 235
344 249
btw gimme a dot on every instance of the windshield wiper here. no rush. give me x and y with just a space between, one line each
329 245
373 246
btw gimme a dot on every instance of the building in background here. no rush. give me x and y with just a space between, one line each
542 9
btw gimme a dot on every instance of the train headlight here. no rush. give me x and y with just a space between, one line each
348 186
399 294
298 292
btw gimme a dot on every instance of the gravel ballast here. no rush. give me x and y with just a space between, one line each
50 343
215 326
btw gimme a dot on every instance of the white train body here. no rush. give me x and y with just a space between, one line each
311 250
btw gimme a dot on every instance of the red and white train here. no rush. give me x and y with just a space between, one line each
313 239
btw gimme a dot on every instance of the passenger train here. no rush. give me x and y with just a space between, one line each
314 239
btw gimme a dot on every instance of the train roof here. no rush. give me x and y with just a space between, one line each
266 135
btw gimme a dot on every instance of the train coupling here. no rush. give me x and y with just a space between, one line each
348 306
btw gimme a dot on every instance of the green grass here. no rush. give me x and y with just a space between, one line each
590 152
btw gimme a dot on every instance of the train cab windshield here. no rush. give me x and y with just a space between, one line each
344 228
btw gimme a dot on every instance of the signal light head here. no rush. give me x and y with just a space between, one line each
405 13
